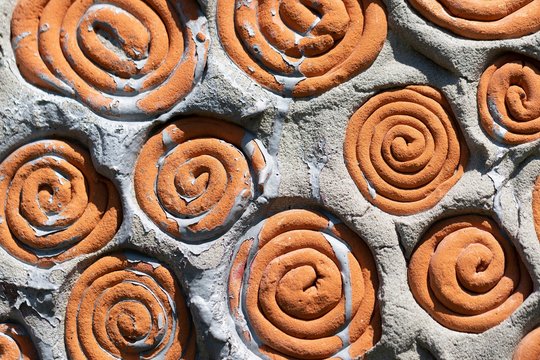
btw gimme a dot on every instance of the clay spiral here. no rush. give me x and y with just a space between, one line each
302 48
15 344
529 347
467 275
54 204
483 20
127 306
404 150
509 101
195 177
133 58
303 287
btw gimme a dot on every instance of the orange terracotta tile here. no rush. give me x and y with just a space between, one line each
467 275
127 306
195 177
508 99
56 206
483 20
262 38
120 58
404 149
529 347
15 343
307 289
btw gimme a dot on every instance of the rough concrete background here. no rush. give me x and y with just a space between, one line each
308 134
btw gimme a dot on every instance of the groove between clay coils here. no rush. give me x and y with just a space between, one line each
404 149
195 177
55 205
302 286
125 59
287 48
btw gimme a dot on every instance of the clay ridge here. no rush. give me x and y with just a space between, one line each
306 288
195 177
128 306
123 58
404 150
483 20
15 343
529 347
302 48
55 205
508 100
467 275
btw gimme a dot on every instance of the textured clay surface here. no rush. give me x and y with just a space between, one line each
125 306
306 288
15 343
269 179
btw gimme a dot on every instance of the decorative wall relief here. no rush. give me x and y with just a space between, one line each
482 20
467 275
195 177
131 59
302 48
15 343
54 205
404 149
305 288
127 306
507 100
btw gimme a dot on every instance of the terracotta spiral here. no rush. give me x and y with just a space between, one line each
483 20
15 344
195 177
302 48
467 275
126 306
509 100
303 287
133 58
529 347
404 150
54 204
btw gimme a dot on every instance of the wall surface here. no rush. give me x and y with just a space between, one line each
243 179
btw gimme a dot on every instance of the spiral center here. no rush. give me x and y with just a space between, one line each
133 320
114 40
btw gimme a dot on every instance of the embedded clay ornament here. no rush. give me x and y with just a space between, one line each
195 177
508 100
536 206
122 58
529 347
55 206
481 19
15 344
126 306
467 275
404 150
304 288
302 48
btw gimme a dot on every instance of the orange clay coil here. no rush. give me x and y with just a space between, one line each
15 343
133 58
467 275
54 205
509 100
195 177
529 347
126 306
303 287
483 20
302 48
404 149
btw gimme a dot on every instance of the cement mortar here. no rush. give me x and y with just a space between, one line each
308 135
